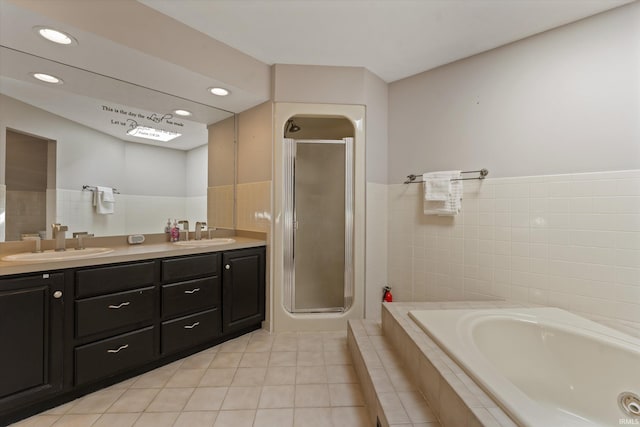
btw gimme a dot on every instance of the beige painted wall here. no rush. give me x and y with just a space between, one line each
221 153
320 84
564 101
254 143
26 168
376 98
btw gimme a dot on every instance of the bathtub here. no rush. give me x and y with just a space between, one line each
544 366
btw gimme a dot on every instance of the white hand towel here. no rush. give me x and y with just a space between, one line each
436 186
104 200
452 205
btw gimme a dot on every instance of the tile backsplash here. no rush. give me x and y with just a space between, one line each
220 206
571 241
254 206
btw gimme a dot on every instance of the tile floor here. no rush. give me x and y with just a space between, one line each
259 380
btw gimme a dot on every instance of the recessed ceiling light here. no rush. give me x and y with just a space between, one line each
183 113
47 78
56 36
154 134
219 91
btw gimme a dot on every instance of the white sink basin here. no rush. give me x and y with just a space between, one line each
206 242
69 254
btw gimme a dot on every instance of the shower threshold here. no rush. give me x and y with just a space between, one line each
319 310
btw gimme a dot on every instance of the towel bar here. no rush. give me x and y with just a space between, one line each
411 179
93 188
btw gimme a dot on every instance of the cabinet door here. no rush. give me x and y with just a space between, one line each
242 289
31 333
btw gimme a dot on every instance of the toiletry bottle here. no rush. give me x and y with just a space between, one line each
167 228
175 232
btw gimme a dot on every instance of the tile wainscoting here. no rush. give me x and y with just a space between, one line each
218 201
254 206
571 241
132 213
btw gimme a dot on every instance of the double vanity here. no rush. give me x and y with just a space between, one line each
73 325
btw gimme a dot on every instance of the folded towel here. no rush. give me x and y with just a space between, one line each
104 200
452 204
436 186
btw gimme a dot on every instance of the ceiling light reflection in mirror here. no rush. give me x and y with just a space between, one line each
108 105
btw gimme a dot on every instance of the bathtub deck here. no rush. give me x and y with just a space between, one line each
453 398
391 395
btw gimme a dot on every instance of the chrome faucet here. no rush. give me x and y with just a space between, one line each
185 228
58 236
81 235
200 225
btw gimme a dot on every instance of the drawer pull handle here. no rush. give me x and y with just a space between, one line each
193 291
115 307
122 347
192 326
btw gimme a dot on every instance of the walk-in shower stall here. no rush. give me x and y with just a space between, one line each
317 276
318 224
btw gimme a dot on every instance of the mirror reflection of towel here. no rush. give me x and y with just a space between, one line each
104 201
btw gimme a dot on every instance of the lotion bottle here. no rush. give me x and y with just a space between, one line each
175 232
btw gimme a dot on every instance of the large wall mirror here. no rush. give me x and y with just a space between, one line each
59 142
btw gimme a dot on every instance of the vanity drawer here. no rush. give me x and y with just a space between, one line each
110 356
112 311
190 267
188 331
103 280
190 296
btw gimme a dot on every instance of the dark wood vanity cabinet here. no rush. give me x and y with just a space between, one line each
243 288
190 301
31 333
119 320
114 319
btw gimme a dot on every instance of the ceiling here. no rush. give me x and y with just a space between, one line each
205 43
392 38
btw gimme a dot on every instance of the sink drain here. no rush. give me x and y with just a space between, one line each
629 403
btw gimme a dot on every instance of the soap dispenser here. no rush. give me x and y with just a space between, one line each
175 232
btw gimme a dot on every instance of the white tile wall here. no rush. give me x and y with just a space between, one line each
133 213
571 241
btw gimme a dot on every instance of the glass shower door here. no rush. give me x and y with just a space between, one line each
318 262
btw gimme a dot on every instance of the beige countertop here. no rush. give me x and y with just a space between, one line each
124 254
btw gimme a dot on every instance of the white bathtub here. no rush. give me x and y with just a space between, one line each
544 366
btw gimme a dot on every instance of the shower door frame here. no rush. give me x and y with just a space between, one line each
290 224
